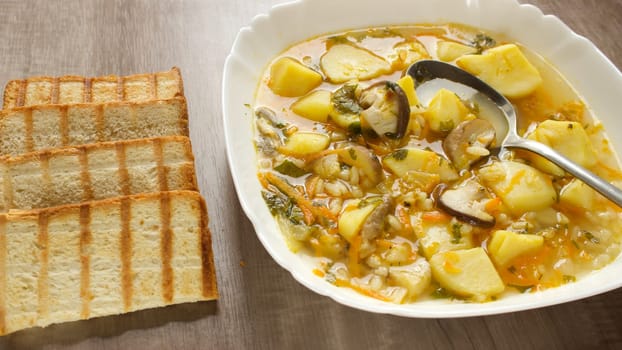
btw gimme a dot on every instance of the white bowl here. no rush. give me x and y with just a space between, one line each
286 24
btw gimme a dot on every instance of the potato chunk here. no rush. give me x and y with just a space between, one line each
290 78
344 62
520 187
437 238
578 194
406 53
506 246
352 219
404 160
505 68
302 144
314 106
448 50
408 86
415 277
567 138
468 273
445 111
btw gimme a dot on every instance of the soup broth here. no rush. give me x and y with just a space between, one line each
403 199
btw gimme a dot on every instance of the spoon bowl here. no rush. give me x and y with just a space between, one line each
441 74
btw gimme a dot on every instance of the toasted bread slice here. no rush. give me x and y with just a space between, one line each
35 128
103 258
77 89
96 171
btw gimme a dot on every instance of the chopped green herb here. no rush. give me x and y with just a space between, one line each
344 100
482 42
283 206
569 278
400 154
337 39
440 293
352 153
446 125
290 169
455 233
330 278
569 125
591 237
575 244
247 105
512 269
368 201
354 128
275 203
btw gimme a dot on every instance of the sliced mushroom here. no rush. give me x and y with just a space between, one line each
374 223
270 116
363 159
385 110
373 227
467 202
469 142
268 125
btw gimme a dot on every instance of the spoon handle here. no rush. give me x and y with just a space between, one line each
608 190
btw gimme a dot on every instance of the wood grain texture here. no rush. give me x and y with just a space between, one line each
260 306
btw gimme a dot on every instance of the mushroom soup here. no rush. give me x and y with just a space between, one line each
404 198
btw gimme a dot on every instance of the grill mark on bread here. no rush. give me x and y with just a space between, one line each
124 176
99 122
64 125
175 116
21 94
17 98
154 86
55 91
88 90
42 282
3 271
162 169
207 257
183 121
178 174
85 175
28 126
120 89
166 248
121 209
126 254
44 160
85 259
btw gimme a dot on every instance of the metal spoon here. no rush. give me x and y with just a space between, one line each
430 70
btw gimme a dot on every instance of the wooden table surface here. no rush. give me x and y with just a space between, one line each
260 306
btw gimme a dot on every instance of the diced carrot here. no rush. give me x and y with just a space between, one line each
310 184
383 243
493 205
435 217
301 201
318 272
310 158
353 255
404 218
262 180
369 293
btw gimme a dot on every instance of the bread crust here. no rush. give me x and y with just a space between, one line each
54 126
174 171
129 236
15 91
